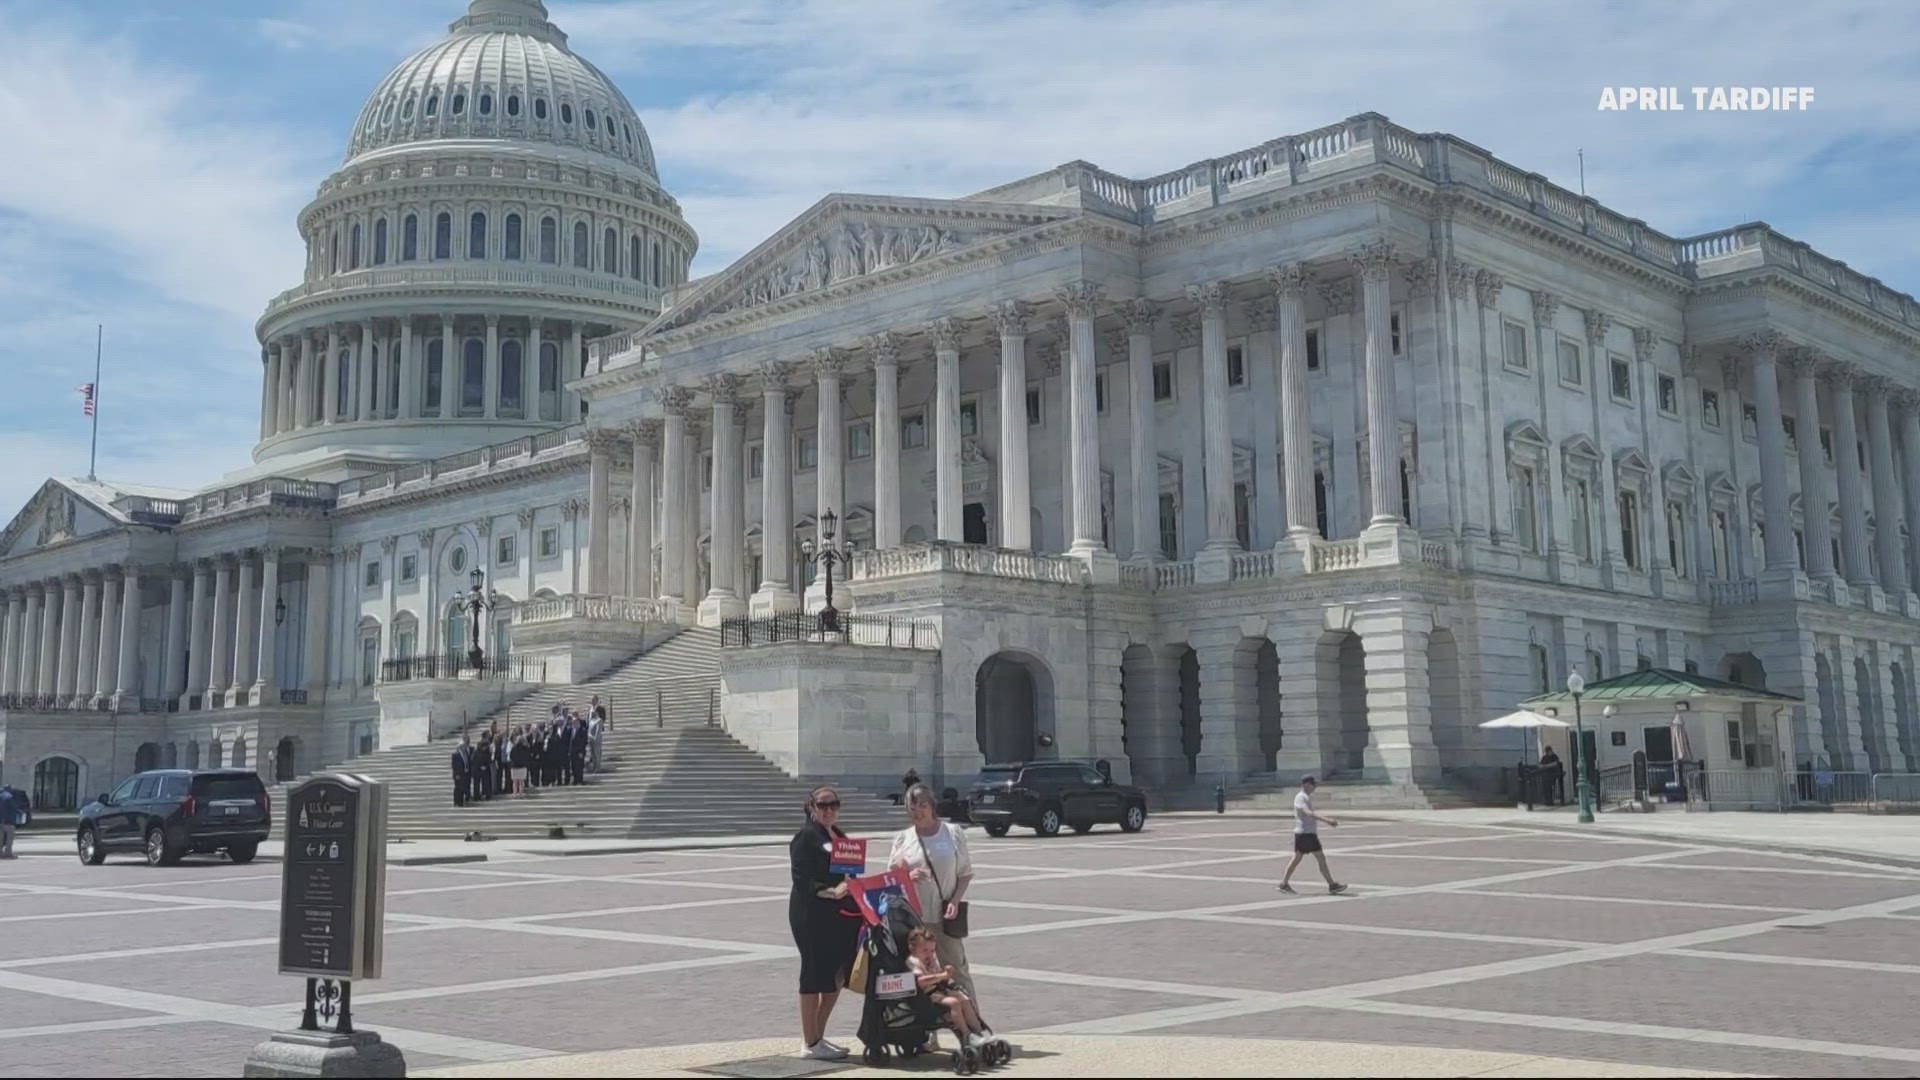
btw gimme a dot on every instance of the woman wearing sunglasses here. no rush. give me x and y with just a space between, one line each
824 919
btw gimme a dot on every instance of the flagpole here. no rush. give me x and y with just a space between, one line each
93 450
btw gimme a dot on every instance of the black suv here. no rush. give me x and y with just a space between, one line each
167 813
1043 795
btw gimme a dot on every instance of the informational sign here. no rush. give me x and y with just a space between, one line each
849 855
873 893
333 882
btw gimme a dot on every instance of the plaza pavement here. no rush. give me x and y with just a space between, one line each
1470 944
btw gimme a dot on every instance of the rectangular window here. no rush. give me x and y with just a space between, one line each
1393 331
969 418
1571 371
1677 538
1525 524
913 431
1580 517
1515 336
549 543
860 440
1717 533
1313 349
1669 395
1100 392
503 551
1734 750
1163 380
1034 412
756 462
1169 525
373 575
1622 378
806 450
1710 408
1237 365
1630 529
1749 422
409 566
1542 668
1242 516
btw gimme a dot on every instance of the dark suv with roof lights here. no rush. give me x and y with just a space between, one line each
167 813
1043 795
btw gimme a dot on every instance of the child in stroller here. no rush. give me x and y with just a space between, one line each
906 1002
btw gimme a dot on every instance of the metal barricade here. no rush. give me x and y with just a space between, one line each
1735 789
1832 789
1896 791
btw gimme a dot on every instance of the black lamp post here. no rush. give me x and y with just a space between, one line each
476 603
825 555
1576 685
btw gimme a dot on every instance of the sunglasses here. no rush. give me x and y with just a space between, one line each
833 805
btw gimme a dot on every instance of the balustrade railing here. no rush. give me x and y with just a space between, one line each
800 626
1253 564
293 697
461 666
1436 553
943 555
636 609
1732 593
604 285
527 446
1172 575
1336 555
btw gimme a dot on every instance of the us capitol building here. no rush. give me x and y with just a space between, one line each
1309 457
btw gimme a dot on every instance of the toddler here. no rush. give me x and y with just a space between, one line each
937 980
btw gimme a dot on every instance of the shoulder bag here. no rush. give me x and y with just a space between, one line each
955 927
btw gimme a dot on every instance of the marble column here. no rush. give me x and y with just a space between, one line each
1010 320
409 372
1762 352
490 371
87 649
127 647
601 445
174 650
303 390
946 429
1081 300
67 650
1909 402
884 350
200 633
220 643
646 450
1215 422
723 598
1296 429
674 534
36 641
270 400
530 381
1846 462
245 631
1375 261
106 653
1142 434
571 363
1815 493
10 643
330 379
830 479
775 594
1887 512
319 606
449 370
263 687
366 374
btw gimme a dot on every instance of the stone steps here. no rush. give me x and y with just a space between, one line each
1266 791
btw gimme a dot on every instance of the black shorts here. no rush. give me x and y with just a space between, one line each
1306 843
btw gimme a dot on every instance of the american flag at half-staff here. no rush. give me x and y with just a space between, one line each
86 399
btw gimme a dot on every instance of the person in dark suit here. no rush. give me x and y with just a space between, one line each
576 751
554 756
482 768
462 770
1553 778
824 920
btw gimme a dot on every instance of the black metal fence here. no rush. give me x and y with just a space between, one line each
744 632
510 668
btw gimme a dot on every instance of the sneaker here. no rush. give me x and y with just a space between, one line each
978 1039
1285 888
1336 889
834 1046
825 1051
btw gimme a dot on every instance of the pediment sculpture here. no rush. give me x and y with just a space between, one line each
57 522
851 250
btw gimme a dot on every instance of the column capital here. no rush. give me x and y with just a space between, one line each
424 538
1802 361
1290 280
1878 387
945 333
272 552
601 440
524 516
1375 259
883 348
1010 317
1767 344
1139 313
92 575
1838 375
1598 323
674 400
1460 274
1907 398
493 322
775 375
724 388
570 509
1080 298
1545 306
482 527
1486 287
1211 296
1420 274
645 433
828 362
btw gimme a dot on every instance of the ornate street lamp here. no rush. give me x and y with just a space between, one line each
477 602
824 555
1578 686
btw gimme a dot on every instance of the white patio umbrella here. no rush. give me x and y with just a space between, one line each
1524 720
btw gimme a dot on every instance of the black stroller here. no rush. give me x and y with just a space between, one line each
899 1017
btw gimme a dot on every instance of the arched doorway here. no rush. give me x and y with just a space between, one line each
1832 753
285 759
1267 691
240 752
1190 709
215 754
193 753
1872 736
1451 725
1013 707
147 756
56 784
1341 663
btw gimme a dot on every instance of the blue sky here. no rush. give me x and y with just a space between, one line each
160 149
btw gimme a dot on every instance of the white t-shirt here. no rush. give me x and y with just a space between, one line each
947 848
1303 821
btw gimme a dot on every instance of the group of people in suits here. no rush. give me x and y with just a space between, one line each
554 752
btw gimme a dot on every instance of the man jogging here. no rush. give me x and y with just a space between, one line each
1306 838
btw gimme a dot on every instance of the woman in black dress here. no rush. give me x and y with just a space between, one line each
824 920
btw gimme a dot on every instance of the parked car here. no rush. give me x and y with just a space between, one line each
167 813
1044 795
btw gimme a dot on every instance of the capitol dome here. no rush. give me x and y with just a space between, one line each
504 72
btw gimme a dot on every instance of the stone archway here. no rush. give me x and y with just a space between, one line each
1872 736
1452 727
1340 663
286 759
56 784
147 756
1266 660
1832 739
1013 708
1190 709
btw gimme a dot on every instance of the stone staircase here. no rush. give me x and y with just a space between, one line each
669 772
1334 794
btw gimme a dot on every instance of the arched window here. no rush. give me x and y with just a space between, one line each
486 104
549 240
539 108
343 391
549 381
582 249
456 632
635 264
656 265
590 124
406 109
473 378
410 238
610 252
240 752
477 236
443 235
513 104
436 365
353 247
56 784
566 113
333 252
459 103
380 242
433 104
512 378
512 239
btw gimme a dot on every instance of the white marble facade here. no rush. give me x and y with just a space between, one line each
1307 458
